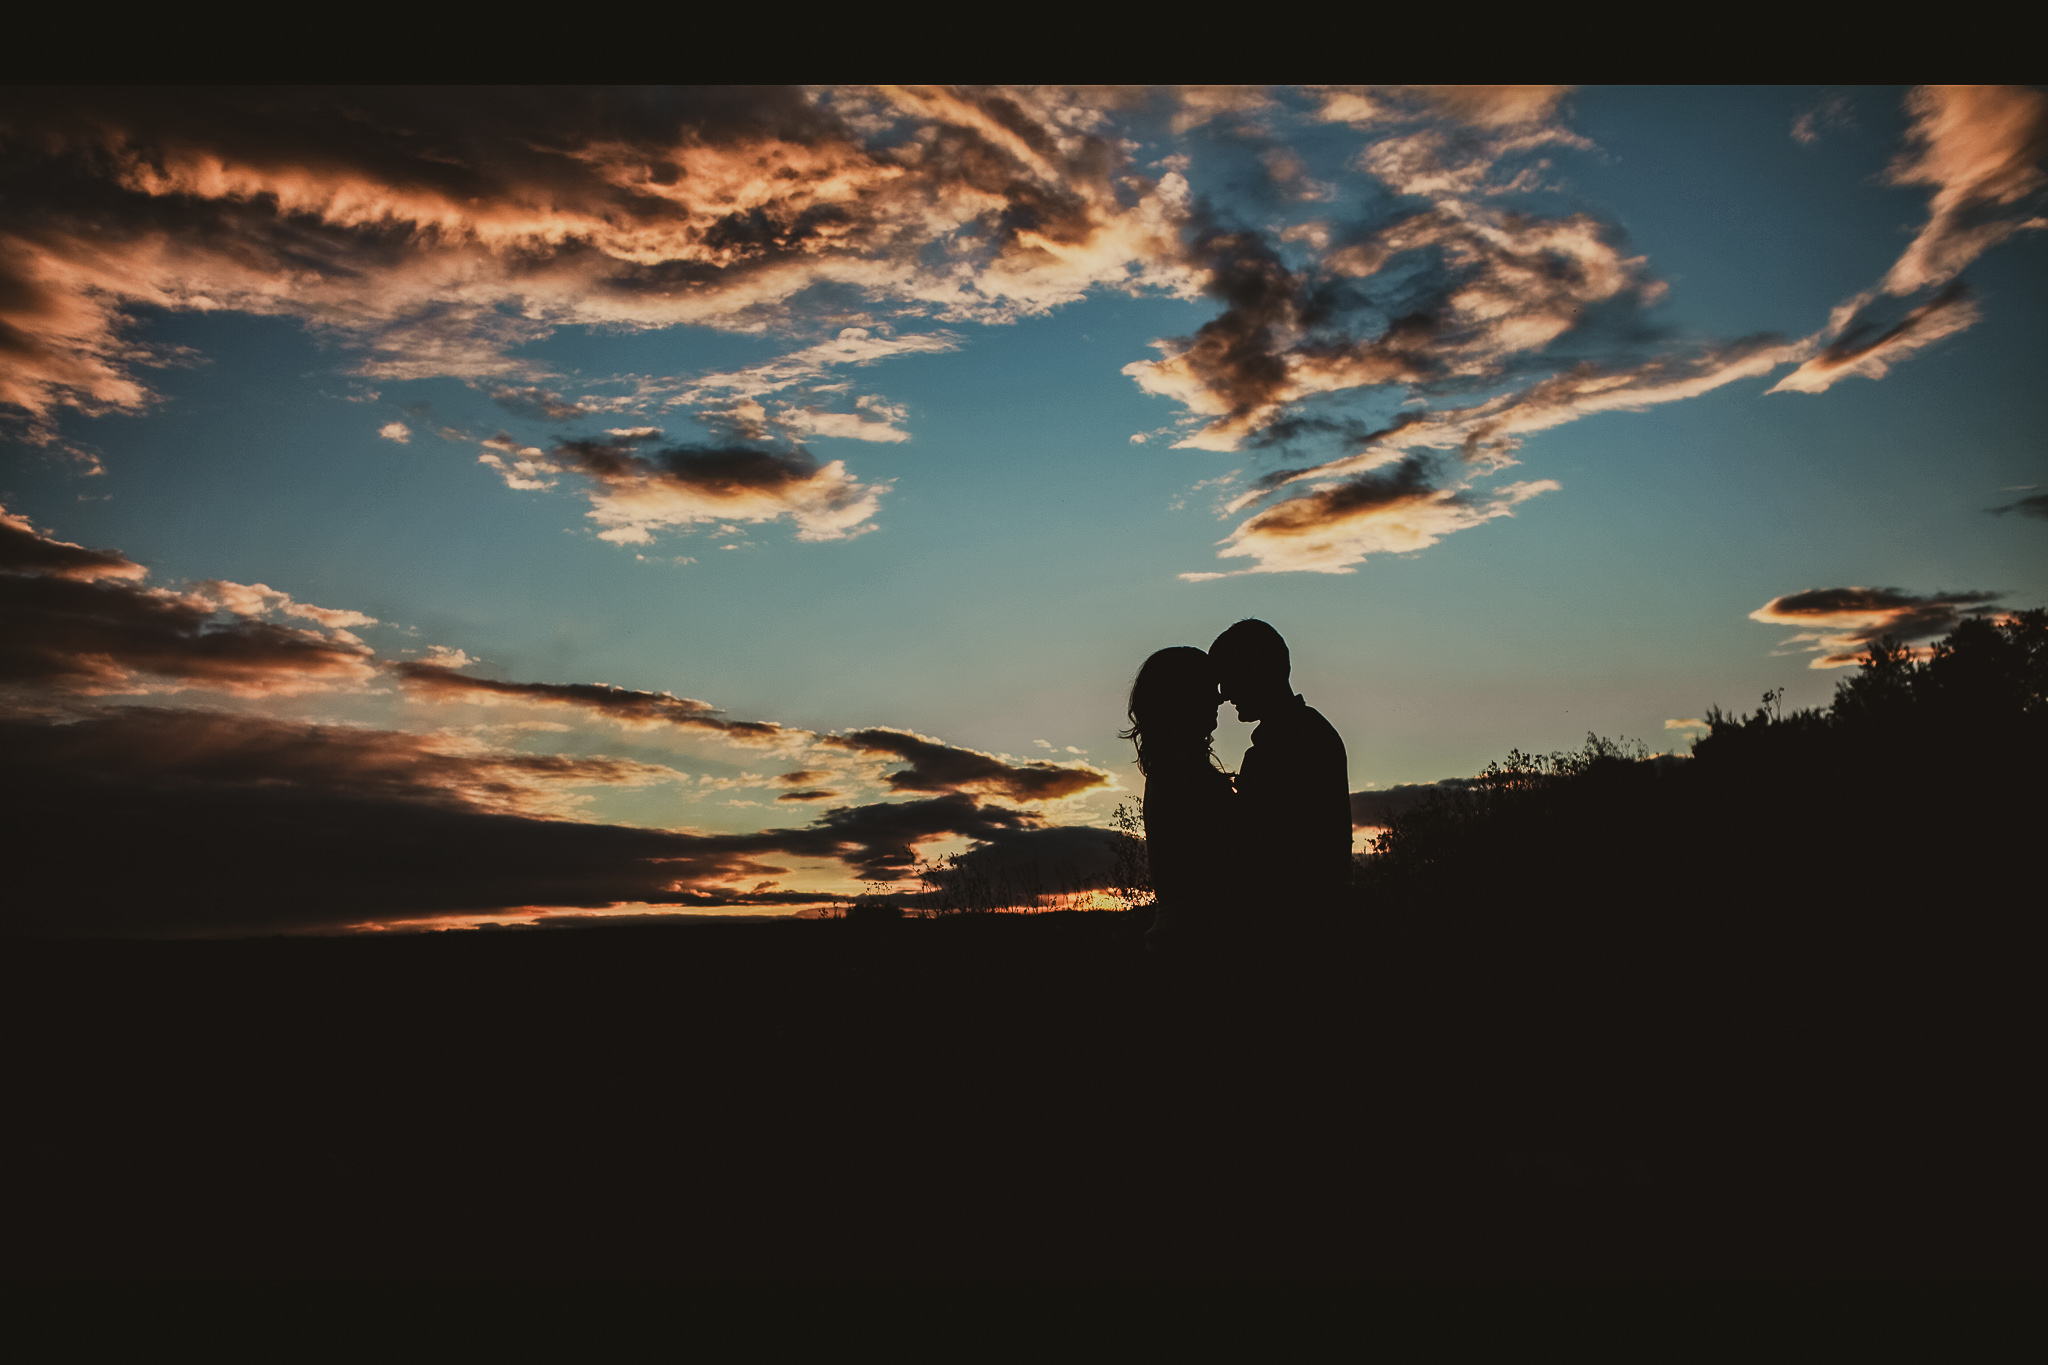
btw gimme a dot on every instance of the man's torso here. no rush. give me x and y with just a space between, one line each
1295 784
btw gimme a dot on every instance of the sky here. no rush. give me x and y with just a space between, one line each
470 506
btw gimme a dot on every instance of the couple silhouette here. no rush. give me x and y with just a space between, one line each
1236 856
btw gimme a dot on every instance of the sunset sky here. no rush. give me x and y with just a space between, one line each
707 499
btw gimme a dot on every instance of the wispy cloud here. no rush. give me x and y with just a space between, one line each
858 346
1980 148
537 404
1834 114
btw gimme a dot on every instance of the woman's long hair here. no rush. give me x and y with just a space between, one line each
1173 708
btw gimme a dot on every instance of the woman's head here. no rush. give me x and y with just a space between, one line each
1173 707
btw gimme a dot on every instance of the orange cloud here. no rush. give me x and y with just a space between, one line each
1340 522
1863 346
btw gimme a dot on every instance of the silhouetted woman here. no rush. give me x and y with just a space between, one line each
1191 837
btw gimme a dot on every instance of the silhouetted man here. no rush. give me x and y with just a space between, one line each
1294 786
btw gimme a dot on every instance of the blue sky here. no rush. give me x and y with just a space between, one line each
1018 554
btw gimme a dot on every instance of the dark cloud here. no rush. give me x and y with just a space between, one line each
1841 622
1409 482
624 706
879 841
1243 366
638 491
76 620
176 821
1444 298
153 821
710 471
803 777
1396 509
1836 113
537 404
2035 506
939 767
809 794
24 551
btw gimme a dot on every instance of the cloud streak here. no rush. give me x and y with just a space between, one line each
1839 624
2035 506
935 766
80 622
154 820
927 765
439 682
168 822
159 822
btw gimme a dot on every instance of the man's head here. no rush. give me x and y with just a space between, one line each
1251 668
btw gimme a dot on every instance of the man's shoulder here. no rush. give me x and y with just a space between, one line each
1299 735
1310 726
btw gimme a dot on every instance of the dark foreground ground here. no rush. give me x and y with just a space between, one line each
1640 1094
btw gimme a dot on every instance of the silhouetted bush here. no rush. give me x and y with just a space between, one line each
1915 788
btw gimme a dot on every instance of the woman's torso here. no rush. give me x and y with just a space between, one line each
1191 839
